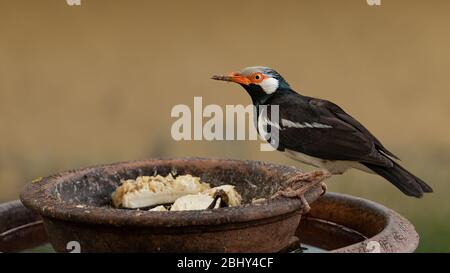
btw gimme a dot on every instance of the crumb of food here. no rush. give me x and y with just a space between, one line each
159 208
258 200
80 206
37 180
148 191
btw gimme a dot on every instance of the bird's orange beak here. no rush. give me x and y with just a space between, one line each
233 77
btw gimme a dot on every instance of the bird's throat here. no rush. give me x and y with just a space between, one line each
257 94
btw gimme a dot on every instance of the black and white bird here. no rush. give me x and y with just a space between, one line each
319 133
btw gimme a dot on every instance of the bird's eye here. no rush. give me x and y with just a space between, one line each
257 77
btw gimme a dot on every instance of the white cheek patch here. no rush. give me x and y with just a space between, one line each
269 85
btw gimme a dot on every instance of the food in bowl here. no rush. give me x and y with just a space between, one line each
185 192
147 191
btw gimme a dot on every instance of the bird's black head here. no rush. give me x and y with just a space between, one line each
260 82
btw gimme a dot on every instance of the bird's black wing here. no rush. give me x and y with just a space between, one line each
341 114
321 129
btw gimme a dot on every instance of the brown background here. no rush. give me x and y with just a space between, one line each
96 83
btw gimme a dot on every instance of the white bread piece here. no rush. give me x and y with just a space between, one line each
204 199
148 191
194 202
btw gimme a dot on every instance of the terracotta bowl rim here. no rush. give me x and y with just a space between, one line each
40 197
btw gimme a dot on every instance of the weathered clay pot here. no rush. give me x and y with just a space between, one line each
337 223
343 223
75 206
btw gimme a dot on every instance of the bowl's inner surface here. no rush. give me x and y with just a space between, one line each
94 188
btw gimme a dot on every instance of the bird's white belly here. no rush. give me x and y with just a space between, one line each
333 166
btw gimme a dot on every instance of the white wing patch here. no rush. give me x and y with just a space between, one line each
263 121
320 125
291 124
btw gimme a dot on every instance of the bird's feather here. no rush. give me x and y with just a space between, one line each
341 114
341 137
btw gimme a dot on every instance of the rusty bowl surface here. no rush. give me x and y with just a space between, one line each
75 206
342 223
20 228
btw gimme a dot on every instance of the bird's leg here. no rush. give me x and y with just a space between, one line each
299 184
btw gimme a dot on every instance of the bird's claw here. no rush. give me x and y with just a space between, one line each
299 184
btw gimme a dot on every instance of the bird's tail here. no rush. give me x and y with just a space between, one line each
405 181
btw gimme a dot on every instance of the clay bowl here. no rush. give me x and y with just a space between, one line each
336 223
342 223
75 206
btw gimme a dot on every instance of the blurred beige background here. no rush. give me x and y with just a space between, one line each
95 83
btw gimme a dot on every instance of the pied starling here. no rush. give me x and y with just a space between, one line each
319 133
